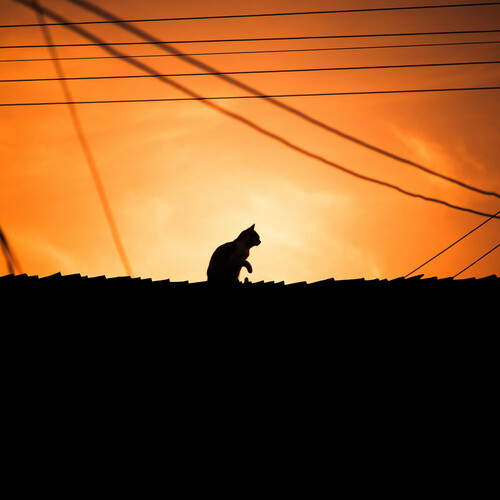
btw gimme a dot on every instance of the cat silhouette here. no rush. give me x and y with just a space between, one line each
228 259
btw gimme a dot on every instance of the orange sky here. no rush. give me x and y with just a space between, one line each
182 179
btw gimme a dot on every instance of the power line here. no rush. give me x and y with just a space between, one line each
242 52
453 244
240 16
255 72
75 118
253 125
10 258
264 96
252 90
233 40
477 260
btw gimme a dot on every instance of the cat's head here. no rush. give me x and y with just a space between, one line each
249 237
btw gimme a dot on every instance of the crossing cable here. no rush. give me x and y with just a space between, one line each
453 244
155 41
257 72
477 260
10 258
247 121
271 14
280 104
236 97
243 52
86 148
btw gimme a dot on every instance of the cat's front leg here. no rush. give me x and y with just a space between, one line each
248 266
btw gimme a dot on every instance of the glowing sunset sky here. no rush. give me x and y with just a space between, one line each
182 178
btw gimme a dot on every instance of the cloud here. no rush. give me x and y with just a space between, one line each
425 152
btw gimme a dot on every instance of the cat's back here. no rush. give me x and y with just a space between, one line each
218 266
221 255
224 251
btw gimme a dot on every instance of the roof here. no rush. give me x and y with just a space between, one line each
399 290
107 316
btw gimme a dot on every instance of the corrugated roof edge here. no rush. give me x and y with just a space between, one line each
315 284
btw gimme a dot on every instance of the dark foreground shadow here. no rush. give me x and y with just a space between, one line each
408 305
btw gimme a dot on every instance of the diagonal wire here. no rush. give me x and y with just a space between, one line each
235 97
260 71
86 148
248 122
259 15
452 245
10 258
477 260
155 41
274 51
205 67
6 252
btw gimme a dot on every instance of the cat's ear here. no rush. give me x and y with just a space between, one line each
252 226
